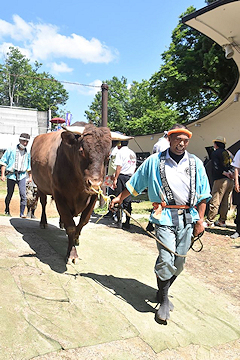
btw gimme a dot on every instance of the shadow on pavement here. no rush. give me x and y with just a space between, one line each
227 231
49 245
134 228
132 291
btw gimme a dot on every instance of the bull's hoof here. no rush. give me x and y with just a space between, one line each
43 226
70 261
73 257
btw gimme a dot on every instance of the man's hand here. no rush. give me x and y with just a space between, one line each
115 201
3 177
198 228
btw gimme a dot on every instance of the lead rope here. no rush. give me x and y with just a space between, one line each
108 199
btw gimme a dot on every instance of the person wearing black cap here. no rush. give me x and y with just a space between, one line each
222 173
16 163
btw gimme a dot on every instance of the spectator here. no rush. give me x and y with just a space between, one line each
16 163
126 166
222 183
178 185
162 144
116 145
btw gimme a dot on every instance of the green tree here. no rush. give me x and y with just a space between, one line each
118 100
22 85
147 115
195 76
132 109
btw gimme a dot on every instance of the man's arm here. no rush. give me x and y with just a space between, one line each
117 172
3 168
236 179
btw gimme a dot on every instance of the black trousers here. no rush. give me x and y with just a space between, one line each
121 184
236 201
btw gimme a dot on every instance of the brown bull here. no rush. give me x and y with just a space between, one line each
69 165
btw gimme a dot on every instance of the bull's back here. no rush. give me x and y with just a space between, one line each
43 157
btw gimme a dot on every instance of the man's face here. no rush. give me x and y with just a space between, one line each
178 143
23 142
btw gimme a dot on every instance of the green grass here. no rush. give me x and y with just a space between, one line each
3 187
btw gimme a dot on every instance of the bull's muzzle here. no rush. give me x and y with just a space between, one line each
93 185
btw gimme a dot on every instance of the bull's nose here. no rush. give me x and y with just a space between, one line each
94 184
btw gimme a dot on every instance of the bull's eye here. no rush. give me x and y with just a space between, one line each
81 151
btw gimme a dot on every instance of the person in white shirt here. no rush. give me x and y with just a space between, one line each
162 144
125 167
116 145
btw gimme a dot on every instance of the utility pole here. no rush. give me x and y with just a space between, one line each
104 88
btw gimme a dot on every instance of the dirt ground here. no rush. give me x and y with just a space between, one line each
217 264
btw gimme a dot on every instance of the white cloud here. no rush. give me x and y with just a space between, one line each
19 30
60 68
44 42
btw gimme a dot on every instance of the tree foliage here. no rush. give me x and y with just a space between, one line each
194 76
132 109
22 85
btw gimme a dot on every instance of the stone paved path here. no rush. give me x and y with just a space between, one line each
103 307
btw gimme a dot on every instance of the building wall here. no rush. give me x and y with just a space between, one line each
222 122
14 121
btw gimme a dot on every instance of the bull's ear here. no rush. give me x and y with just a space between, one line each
69 138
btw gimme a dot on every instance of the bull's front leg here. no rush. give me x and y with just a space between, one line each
85 216
72 255
69 224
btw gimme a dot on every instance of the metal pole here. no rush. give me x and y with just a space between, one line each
104 88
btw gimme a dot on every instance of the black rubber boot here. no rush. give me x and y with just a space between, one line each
159 298
163 311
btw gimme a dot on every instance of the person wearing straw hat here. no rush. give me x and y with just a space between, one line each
178 186
16 163
222 175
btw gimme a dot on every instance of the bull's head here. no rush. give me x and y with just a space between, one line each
92 147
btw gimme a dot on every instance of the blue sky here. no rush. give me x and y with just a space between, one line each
89 41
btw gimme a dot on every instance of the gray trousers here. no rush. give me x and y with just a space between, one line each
22 193
176 238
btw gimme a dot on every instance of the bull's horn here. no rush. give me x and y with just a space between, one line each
117 136
80 129
74 129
